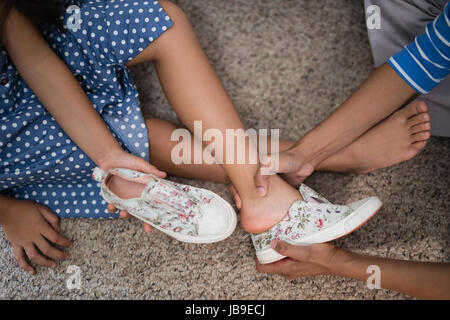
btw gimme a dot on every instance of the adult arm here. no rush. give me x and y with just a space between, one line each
427 280
417 69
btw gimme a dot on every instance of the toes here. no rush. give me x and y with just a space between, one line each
418 118
414 149
421 127
418 145
414 108
420 106
421 136
414 113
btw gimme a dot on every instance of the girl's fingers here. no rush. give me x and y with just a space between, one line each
20 258
50 251
37 258
124 214
111 209
144 166
147 227
159 173
56 238
51 218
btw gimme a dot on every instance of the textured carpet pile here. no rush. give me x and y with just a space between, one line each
286 64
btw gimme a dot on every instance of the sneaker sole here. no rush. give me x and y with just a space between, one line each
355 220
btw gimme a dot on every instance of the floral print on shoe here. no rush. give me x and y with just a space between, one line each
314 220
303 219
184 212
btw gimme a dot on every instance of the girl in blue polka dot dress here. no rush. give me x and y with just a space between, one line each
68 104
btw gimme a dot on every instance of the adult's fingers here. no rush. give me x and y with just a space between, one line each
284 162
291 269
292 165
56 238
20 258
235 194
296 252
262 175
37 258
295 178
282 267
50 217
50 251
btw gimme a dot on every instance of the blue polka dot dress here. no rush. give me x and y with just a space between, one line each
38 161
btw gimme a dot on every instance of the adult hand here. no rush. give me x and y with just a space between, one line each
291 164
122 159
301 261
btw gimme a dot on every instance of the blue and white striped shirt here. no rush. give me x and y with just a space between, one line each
425 62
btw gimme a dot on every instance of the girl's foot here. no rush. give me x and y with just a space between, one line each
258 214
398 138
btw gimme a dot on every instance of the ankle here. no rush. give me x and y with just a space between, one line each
259 214
309 151
346 161
242 177
253 222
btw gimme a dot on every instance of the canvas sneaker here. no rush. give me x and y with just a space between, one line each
186 213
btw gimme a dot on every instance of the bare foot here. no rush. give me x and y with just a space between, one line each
398 138
123 188
258 214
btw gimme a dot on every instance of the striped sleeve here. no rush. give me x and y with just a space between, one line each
425 62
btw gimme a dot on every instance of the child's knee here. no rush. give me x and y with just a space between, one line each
181 30
175 13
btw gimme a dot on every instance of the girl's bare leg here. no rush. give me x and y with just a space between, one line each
196 94
161 146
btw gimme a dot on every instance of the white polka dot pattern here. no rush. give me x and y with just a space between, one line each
38 161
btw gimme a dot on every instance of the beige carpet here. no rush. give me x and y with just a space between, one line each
286 64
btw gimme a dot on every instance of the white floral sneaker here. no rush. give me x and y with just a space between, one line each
186 213
314 220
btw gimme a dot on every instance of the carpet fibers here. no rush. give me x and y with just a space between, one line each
286 64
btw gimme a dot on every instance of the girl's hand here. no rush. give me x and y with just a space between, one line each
32 229
122 159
